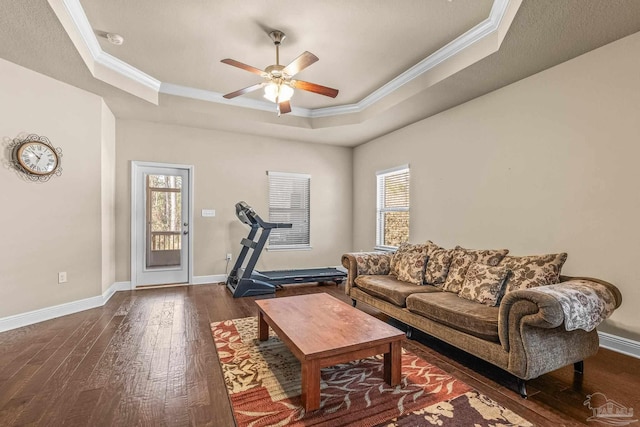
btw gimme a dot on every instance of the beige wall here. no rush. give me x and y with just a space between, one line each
228 168
544 165
547 164
53 226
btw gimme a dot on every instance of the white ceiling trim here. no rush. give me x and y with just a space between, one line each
127 70
484 29
112 70
211 96
477 33
101 64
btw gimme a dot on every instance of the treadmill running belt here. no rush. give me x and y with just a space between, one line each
302 273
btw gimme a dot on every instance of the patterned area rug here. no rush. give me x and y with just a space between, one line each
263 381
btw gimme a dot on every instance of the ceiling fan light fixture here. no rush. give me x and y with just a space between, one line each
278 84
275 92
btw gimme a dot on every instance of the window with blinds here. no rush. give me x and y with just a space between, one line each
392 207
289 202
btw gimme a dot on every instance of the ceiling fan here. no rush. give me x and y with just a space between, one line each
278 81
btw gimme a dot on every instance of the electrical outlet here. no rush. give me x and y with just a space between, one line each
62 277
228 258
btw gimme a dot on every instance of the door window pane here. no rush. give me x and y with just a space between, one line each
164 220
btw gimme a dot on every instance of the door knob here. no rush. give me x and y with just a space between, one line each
185 224
185 232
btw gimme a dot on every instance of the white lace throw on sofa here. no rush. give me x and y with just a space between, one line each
585 304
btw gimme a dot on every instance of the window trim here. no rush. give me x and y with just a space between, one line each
290 247
379 209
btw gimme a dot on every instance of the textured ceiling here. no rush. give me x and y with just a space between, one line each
362 44
544 33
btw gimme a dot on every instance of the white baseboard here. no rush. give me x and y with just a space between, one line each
205 280
619 344
117 286
47 313
608 341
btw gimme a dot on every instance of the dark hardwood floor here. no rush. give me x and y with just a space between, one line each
147 359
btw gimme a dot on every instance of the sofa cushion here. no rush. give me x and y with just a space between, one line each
484 284
533 270
391 289
438 266
463 315
463 258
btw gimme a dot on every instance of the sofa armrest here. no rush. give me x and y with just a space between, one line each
359 263
549 307
617 295
526 307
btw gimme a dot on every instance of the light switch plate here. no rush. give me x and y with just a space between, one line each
208 212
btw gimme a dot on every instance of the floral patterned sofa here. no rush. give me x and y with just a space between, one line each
516 312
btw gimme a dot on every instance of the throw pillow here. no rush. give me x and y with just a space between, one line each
438 266
404 248
484 284
431 246
411 268
408 248
463 258
533 270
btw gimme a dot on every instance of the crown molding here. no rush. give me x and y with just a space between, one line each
101 64
129 71
211 96
455 47
107 67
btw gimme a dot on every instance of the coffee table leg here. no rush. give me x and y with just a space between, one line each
311 385
263 327
393 364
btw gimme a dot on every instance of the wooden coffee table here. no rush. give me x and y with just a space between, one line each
322 331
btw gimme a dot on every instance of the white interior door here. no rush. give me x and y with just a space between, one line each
161 224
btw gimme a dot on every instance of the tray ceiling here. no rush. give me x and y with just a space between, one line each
394 62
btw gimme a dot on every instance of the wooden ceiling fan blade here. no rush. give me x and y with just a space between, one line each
243 91
300 63
284 107
243 66
315 88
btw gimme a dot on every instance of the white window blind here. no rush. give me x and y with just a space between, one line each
289 202
392 207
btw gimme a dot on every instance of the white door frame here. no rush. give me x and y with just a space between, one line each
135 189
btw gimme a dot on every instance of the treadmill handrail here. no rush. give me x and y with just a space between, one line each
243 209
244 280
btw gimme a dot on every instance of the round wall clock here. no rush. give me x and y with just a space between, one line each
36 157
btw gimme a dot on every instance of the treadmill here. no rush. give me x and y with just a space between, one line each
243 281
